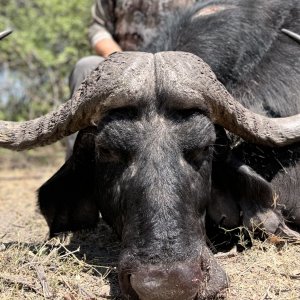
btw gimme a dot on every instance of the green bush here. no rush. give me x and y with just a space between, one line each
48 38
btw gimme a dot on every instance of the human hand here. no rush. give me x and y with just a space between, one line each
106 47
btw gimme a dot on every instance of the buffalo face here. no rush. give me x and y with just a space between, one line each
153 172
148 171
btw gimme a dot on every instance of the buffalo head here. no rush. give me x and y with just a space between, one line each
143 158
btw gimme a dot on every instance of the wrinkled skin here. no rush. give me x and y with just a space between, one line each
151 177
160 193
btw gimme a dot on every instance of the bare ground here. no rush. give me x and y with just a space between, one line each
83 265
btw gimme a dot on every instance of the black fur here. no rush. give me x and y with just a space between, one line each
260 67
153 171
244 46
68 199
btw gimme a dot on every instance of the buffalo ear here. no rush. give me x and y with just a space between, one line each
68 200
238 192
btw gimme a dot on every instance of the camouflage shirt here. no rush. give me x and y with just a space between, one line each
132 23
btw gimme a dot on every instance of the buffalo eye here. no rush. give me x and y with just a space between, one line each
108 155
196 157
184 114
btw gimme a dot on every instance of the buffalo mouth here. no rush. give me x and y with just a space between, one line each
189 280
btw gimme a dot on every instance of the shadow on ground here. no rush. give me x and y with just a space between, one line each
99 247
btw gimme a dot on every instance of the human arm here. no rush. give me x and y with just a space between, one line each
106 46
100 31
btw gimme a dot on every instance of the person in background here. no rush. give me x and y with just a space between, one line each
121 25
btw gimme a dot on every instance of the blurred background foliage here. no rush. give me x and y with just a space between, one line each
37 58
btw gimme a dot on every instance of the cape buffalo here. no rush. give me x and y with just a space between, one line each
204 122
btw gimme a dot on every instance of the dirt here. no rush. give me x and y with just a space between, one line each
83 265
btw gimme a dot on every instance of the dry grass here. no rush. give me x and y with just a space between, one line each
265 272
82 266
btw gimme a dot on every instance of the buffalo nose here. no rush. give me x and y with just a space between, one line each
180 282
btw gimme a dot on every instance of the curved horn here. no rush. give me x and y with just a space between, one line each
291 34
5 33
124 79
190 83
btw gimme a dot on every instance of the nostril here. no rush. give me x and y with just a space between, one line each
128 278
204 266
180 282
199 278
126 287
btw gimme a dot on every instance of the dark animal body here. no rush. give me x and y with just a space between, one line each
162 144
243 44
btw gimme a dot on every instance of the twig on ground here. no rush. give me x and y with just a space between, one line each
43 280
233 252
266 295
80 262
69 297
16 280
3 235
32 262
53 252
2 247
82 291
66 283
72 295
294 275
70 253
107 297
